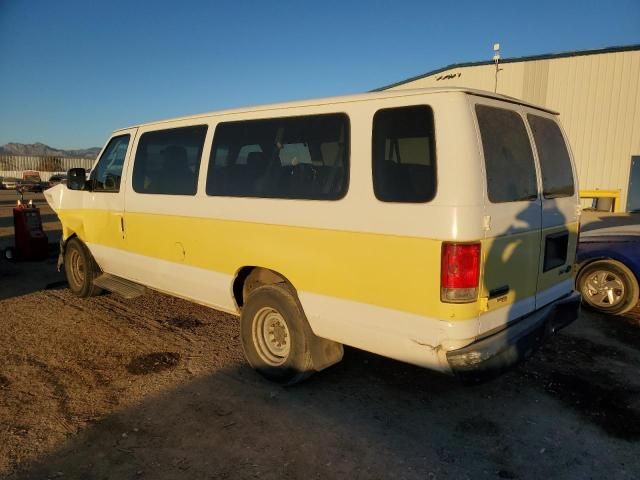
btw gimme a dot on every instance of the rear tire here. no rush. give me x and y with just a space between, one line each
276 337
608 286
80 269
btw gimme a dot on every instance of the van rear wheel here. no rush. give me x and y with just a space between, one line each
81 269
276 337
608 286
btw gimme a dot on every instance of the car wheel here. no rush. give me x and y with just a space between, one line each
81 269
608 286
275 335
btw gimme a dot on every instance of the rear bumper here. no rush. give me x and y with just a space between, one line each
498 352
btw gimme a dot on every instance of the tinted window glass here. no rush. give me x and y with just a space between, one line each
296 157
108 173
511 173
167 161
403 150
557 176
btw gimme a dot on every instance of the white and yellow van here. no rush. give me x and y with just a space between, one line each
434 226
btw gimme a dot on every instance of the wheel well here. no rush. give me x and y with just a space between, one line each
73 234
249 278
586 263
63 246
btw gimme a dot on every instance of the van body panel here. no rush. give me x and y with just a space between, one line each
200 285
363 267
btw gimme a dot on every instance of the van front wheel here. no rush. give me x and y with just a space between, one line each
275 335
81 269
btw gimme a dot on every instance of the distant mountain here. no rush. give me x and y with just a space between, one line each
40 149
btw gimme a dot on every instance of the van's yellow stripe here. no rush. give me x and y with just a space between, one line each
397 272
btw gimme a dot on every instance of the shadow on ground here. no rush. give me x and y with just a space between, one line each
371 417
21 277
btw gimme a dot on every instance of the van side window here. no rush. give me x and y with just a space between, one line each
167 161
108 172
404 154
557 175
304 157
508 158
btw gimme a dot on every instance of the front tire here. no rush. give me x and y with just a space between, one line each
608 286
276 337
81 269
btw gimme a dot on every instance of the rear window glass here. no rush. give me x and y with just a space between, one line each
557 175
167 161
404 154
511 172
304 157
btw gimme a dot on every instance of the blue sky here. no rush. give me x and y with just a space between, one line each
72 71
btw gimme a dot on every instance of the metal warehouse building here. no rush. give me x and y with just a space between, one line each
597 93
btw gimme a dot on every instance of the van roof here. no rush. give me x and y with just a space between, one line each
348 99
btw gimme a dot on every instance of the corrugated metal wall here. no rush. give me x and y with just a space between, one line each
598 98
14 165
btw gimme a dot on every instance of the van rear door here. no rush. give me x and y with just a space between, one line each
513 214
559 208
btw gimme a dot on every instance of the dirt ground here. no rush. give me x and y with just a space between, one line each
157 388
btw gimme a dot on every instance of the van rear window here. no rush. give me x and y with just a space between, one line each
404 154
557 175
304 157
510 168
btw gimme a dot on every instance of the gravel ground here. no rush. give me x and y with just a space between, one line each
157 388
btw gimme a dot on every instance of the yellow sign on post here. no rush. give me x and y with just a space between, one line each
613 194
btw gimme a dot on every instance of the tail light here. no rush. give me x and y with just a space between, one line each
460 272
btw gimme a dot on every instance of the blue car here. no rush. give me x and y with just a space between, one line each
609 265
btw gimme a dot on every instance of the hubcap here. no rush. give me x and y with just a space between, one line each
271 336
604 288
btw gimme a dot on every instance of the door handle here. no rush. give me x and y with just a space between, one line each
499 291
122 226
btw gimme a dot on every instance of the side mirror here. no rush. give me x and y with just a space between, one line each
76 179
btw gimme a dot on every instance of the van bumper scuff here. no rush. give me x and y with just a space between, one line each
500 351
